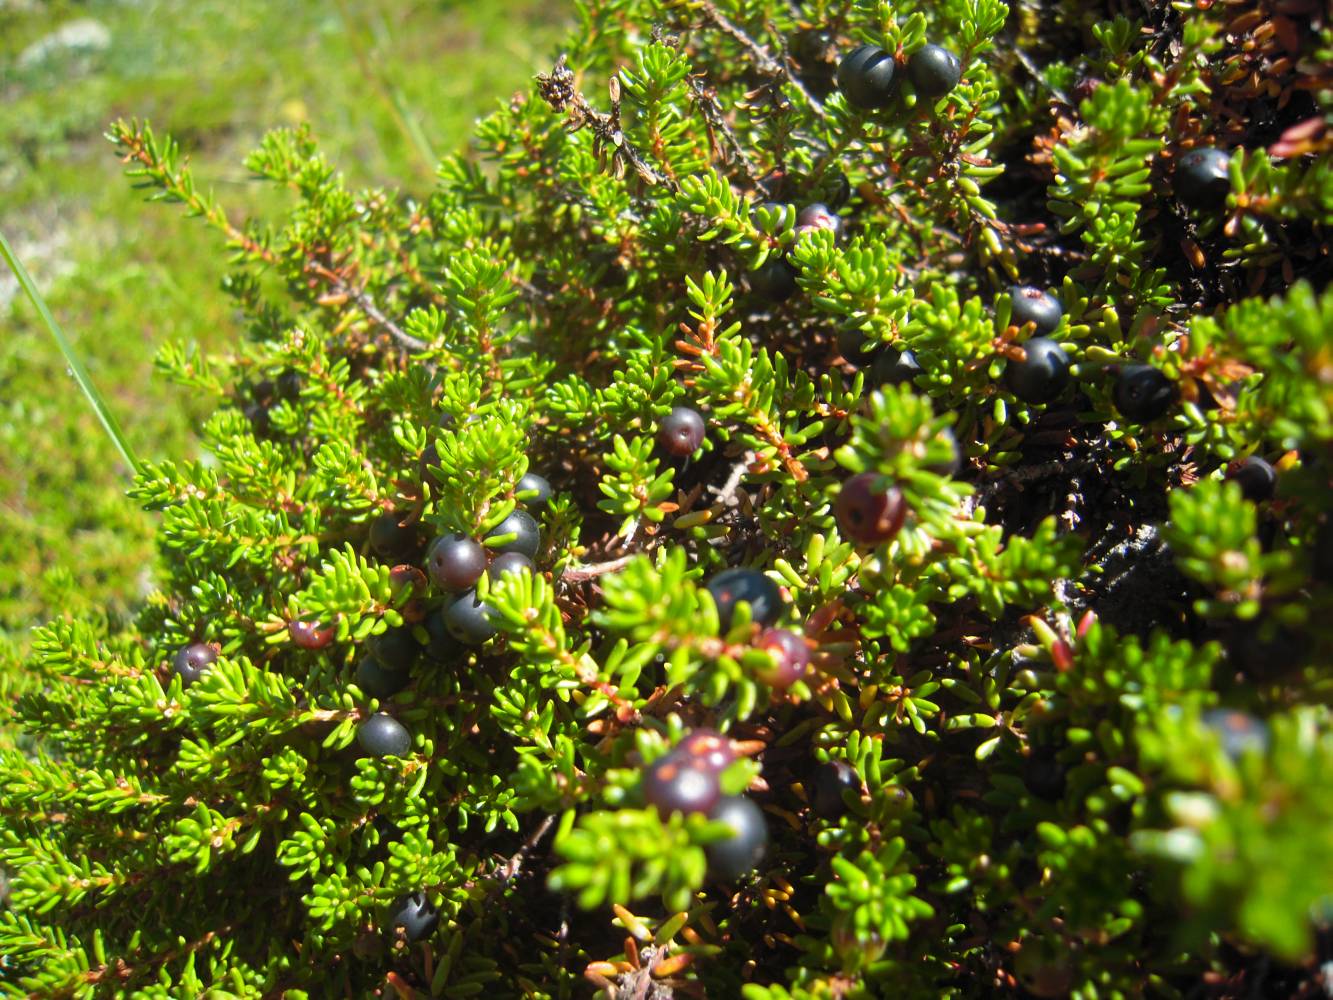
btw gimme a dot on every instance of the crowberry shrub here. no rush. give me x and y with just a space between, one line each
1015 681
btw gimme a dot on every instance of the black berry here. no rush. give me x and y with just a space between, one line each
854 346
820 216
382 735
469 620
1238 732
1041 375
867 77
836 189
527 534
1142 393
934 70
378 681
706 749
1256 478
740 853
829 781
430 459
1045 777
290 385
674 784
732 586
456 562
1032 305
681 432
308 635
1202 178
867 514
441 647
509 562
775 280
533 490
389 538
413 916
192 661
894 367
396 648
791 657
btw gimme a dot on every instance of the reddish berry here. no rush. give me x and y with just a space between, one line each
707 749
791 657
820 216
867 515
308 635
674 784
681 432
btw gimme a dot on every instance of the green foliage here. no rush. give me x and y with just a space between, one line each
1020 682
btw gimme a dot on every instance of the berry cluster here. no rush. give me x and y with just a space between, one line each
688 780
871 78
455 563
789 650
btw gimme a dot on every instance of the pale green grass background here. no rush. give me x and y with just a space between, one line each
123 276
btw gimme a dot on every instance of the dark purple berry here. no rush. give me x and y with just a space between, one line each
681 432
308 635
1238 732
1202 178
533 490
868 514
413 916
1256 478
867 77
1142 393
894 367
378 681
775 280
468 619
1041 375
811 47
674 784
740 853
456 562
732 586
706 749
389 538
830 780
382 735
820 216
791 657
1033 305
395 648
527 534
192 661
934 70
509 562
263 391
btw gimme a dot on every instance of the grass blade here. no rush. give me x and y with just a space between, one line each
81 375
